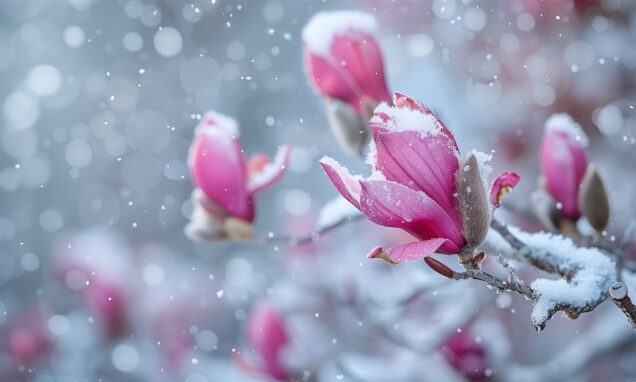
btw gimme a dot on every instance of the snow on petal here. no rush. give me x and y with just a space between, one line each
346 184
270 172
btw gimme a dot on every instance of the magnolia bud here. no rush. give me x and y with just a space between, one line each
593 200
545 209
473 203
439 267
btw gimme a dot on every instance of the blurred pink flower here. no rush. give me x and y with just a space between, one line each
344 63
563 162
29 338
226 179
266 337
415 183
466 356
107 303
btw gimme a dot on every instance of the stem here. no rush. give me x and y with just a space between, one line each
618 293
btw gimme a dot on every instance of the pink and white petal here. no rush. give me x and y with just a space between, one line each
332 81
218 168
346 184
269 173
415 251
503 184
423 163
392 204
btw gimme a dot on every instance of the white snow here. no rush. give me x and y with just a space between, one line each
321 29
336 210
564 123
228 124
591 271
405 119
484 168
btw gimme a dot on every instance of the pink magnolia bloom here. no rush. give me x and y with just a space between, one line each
266 336
466 356
344 63
563 162
220 170
415 183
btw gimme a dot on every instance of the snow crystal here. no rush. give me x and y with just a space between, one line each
319 32
484 169
405 119
336 210
590 270
564 123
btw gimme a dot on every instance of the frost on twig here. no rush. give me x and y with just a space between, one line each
586 273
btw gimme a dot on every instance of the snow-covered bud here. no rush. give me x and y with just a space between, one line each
227 180
267 336
563 162
344 63
593 200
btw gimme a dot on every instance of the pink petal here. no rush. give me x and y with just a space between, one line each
563 166
347 185
359 56
394 205
331 80
269 173
423 163
503 184
401 100
373 252
415 251
218 168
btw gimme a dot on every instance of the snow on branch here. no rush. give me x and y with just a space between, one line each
586 273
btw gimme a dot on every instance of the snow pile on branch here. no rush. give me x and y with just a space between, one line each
336 211
586 273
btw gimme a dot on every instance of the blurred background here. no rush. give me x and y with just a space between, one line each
100 99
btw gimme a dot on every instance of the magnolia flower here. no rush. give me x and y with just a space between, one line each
28 338
418 184
575 186
344 63
225 181
267 337
466 356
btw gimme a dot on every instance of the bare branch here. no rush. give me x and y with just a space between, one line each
495 282
618 293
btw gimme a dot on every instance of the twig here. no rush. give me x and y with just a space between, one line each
618 293
314 236
494 281
627 236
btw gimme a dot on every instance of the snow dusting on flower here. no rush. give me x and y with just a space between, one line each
405 119
220 121
320 31
564 123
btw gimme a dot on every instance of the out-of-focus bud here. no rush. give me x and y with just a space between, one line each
414 183
563 163
267 337
226 181
593 200
344 63
545 208
466 356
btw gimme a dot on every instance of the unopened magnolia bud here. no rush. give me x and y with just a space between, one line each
349 127
237 229
439 267
593 201
473 203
